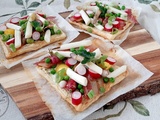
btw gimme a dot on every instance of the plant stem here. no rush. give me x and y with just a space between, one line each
9 14
50 2
30 9
114 115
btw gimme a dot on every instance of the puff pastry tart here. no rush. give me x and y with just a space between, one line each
81 72
29 33
109 21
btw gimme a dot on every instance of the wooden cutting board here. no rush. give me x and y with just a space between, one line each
139 44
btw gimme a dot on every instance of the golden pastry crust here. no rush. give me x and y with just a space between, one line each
30 47
86 102
102 33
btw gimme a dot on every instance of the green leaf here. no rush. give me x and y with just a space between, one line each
77 0
35 24
23 13
19 2
34 4
114 115
139 107
43 0
26 1
67 4
155 8
146 1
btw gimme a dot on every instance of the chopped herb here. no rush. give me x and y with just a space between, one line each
66 77
39 28
61 57
35 24
91 25
114 31
102 89
10 35
55 28
111 18
100 22
54 66
21 22
58 32
52 31
102 8
5 37
23 26
88 56
91 15
81 48
60 74
117 7
101 60
30 41
12 47
73 50
91 94
42 38
89 30
46 23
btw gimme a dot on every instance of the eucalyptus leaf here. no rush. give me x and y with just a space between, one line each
34 4
19 2
146 1
26 1
155 8
77 0
23 13
67 4
139 107
43 0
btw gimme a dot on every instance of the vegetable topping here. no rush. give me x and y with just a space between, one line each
104 16
34 27
81 72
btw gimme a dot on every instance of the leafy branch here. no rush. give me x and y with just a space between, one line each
114 115
137 106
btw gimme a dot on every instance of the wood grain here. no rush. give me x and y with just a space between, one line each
139 44
29 102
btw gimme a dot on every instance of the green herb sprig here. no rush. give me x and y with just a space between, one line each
88 56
